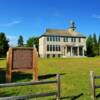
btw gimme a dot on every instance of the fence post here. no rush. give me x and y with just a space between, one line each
58 86
92 77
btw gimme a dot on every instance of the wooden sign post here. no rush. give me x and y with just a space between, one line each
21 59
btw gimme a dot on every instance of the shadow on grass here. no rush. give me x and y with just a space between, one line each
72 97
22 76
98 95
2 75
5 94
16 76
47 76
19 76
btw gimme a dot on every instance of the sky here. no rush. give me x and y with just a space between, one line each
32 17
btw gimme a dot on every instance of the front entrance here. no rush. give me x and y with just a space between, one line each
68 51
74 51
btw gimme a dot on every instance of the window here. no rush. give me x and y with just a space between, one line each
72 39
56 47
53 47
53 38
53 55
58 55
48 48
58 38
50 38
59 48
48 55
65 39
79 39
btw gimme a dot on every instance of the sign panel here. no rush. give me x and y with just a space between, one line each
22 59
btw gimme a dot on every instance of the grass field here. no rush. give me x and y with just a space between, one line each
75 83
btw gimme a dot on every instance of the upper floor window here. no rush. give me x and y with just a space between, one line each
57 38
79 39
73 39
65 39
53 38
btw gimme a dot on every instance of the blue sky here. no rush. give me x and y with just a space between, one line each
32 17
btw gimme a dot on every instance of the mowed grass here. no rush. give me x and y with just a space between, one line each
74 72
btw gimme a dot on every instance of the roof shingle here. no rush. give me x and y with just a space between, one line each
69 32
58 32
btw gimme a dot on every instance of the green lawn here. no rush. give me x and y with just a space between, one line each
75 83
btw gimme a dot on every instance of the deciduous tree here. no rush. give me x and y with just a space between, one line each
33 41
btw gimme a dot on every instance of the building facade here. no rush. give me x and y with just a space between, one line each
62 43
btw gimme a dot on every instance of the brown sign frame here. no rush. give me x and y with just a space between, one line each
10 62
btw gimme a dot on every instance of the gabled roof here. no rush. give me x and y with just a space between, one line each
69 32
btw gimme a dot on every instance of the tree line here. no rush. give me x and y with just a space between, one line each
30 42
92 44
4 43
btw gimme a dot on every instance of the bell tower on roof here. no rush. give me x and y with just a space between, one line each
72 25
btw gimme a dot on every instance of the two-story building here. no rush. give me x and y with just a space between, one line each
62 43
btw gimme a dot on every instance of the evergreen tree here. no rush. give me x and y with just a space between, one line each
3 45
89 44
94 39
99 45
95 45
20 41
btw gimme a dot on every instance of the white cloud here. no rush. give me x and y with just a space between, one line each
11 37
96 16
12 40
15 22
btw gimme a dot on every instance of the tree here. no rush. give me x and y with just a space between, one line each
20 41
95 44
89 44
3 44
94 39
33 41
99 46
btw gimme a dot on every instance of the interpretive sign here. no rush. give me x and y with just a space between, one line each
21 59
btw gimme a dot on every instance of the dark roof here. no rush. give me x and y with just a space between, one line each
56 32
69 32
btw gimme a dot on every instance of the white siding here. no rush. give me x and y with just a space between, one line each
42 49
43 45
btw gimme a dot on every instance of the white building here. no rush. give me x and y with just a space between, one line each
62 43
